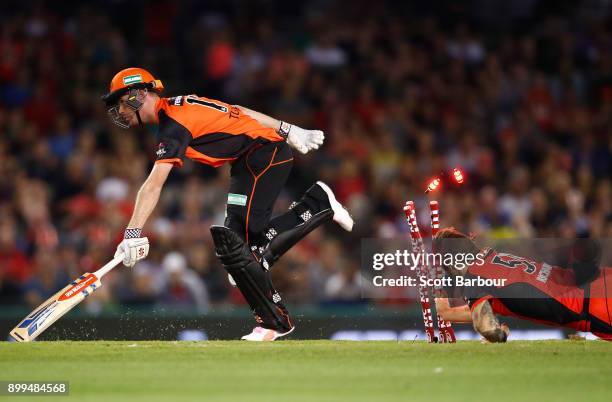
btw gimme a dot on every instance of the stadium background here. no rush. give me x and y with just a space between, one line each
518 94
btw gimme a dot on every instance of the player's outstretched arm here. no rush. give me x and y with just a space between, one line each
148 195
134 247
297 137
487 325
459 314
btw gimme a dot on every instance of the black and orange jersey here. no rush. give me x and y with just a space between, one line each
540 292
206 130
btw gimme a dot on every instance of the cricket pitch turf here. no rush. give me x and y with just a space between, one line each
315 370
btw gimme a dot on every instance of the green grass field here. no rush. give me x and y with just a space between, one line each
315 370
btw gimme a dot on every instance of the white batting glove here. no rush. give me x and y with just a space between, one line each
300 139
134 249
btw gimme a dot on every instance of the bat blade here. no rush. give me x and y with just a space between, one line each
55 307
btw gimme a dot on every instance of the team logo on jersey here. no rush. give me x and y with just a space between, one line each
132 79
176 100
161 150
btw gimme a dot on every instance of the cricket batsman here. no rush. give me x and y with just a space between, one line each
258 148
576 297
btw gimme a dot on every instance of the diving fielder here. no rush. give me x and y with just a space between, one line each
258 148
575 297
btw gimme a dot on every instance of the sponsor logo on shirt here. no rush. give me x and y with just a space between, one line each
236 199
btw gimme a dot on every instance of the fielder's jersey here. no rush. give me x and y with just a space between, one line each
206 130
540 292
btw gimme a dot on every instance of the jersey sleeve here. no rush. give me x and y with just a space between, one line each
475 301
173 138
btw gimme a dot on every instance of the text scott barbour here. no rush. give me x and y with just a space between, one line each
423 280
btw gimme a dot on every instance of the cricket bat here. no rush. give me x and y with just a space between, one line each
61 303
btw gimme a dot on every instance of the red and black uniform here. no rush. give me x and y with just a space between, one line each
542 293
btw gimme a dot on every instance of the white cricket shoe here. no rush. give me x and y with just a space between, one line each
341 215
260 334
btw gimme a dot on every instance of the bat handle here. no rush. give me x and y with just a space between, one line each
109 266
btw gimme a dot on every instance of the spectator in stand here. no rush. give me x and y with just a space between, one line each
182 286
401 94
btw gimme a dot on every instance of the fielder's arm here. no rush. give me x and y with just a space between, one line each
487 325
148 195
296 137
459 314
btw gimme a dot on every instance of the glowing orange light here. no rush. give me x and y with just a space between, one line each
458 175
433 185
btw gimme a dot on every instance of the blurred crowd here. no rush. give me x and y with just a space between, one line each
517 95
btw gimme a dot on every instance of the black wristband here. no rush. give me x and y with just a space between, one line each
283 129
132 233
